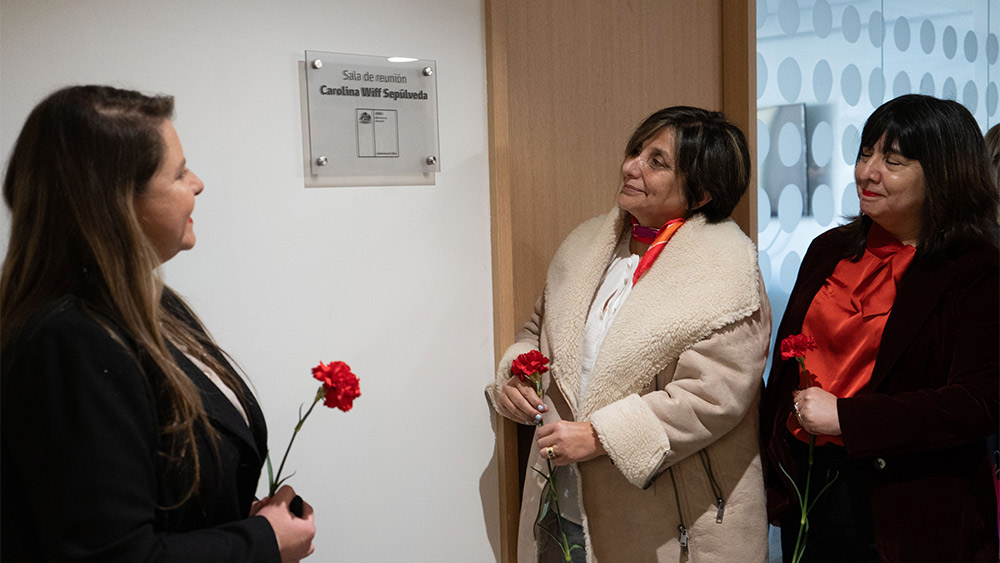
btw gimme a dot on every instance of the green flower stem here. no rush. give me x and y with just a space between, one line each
562 540
803 521
804 504
276 481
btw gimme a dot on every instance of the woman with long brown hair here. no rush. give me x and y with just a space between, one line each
126 434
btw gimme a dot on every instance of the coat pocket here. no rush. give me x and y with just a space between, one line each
717 491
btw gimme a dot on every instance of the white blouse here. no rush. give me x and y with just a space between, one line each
611 295
616 285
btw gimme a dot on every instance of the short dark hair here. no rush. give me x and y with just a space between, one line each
712 156
961 202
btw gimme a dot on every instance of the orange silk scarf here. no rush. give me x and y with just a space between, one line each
646 262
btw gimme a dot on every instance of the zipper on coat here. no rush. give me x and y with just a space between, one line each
656 472
720 503
680 514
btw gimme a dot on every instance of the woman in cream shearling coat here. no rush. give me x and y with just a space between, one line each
664 437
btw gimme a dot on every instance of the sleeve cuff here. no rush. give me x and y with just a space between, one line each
633 437
266 542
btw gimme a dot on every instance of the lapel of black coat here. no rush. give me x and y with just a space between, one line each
217 406
220 410
918 293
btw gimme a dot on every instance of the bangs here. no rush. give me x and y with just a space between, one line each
898 125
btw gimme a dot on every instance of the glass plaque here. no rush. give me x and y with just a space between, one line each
371 116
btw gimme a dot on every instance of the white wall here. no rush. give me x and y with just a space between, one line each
395 281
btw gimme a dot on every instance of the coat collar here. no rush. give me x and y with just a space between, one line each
221 411
217 406
705 278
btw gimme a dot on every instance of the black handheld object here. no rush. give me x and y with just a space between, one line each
295 507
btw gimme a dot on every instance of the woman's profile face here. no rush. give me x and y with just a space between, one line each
164 209
652 189
892 190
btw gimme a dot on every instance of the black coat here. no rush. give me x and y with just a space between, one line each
83 476
923 419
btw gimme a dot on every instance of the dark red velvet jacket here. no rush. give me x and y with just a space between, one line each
924 417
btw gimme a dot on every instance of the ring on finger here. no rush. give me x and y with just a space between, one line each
550 452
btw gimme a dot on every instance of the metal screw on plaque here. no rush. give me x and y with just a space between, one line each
428 71
432 160
317 63
321 161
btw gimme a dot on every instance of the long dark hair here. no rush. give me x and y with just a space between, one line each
961 201
82 157
712 156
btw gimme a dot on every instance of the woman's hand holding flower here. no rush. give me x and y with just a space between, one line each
817 411
519 402
294 534
571 442
256 505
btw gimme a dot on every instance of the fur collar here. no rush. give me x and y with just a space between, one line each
705 278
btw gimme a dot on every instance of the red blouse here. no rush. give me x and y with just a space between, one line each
847 317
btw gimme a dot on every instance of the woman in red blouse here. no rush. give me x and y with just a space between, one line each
903 303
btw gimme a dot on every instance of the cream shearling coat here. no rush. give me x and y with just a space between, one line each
673 396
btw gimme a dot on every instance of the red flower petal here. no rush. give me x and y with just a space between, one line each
796 346
341 386
528 364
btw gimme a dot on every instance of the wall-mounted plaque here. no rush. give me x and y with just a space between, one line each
371 116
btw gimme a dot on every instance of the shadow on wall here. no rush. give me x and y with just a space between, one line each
488 497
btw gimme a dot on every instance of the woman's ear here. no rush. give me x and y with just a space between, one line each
705 198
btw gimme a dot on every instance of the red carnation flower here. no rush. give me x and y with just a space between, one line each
340 386
796 346
528 364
